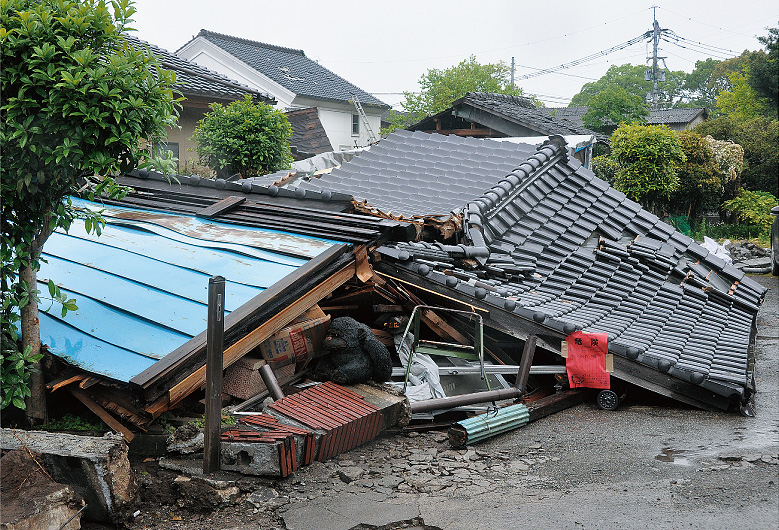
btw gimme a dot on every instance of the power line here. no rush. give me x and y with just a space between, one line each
591 57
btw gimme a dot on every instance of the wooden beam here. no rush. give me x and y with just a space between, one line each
101 413
236 321
221 207
253 339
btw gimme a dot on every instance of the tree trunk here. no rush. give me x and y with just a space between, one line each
31 335
31 332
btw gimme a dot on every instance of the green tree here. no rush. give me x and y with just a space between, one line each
759 137
741 101
77 101
753 208
244 137
613 106
632 79
439 88
700 180
764 72
699 88
649 158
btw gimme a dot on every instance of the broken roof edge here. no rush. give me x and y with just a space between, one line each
244 186
507 188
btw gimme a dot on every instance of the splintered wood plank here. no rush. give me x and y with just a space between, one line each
64 381
103 414
253 339
221 207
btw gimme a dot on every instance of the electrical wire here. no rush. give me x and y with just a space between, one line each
589 58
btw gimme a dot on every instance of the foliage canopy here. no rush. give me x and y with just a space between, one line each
612 106
244 137
439 88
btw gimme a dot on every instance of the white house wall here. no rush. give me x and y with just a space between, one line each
336 117
338 126
211 56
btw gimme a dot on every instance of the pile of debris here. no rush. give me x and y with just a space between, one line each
750 258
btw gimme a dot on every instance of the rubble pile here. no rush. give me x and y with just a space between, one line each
750 257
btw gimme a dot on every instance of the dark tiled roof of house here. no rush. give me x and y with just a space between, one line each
422 174
308 134
195 80
561 249
656 116
291 69
515 109
678 116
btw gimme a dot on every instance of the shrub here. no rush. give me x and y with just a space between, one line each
753 208
245 137
605 168
700 182
649 157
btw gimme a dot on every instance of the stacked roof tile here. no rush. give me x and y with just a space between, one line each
559 248
308 135
680 116
418 174
291 69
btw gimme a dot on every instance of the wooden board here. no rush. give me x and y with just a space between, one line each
262 332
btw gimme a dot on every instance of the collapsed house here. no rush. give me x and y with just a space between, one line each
523 236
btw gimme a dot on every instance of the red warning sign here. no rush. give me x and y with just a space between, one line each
587 360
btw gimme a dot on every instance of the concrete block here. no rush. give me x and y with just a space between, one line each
97 468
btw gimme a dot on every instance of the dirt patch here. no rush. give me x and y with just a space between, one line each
24 482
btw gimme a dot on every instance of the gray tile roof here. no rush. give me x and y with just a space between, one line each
291 69
515 109
656 116
559 247
668 116
195 80
422 174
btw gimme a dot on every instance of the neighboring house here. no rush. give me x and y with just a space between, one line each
294 80
677 119
309 137
490 115
201 87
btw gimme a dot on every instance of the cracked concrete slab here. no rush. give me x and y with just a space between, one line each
347 511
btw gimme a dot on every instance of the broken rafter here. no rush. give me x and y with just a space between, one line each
101 413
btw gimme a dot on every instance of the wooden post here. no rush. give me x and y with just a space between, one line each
214 350
524 364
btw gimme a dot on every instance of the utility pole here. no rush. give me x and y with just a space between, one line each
512 72
655 39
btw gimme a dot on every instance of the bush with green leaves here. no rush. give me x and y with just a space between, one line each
79 104
605 168
244 137
649 157
753 208
700 180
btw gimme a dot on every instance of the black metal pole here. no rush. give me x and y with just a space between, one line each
269 378
214 351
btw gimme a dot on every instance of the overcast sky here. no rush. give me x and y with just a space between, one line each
384 47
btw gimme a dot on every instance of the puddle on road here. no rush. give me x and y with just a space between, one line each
674 456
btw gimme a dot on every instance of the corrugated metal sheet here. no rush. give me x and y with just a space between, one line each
142 286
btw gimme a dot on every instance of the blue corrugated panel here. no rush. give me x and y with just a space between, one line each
142 286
